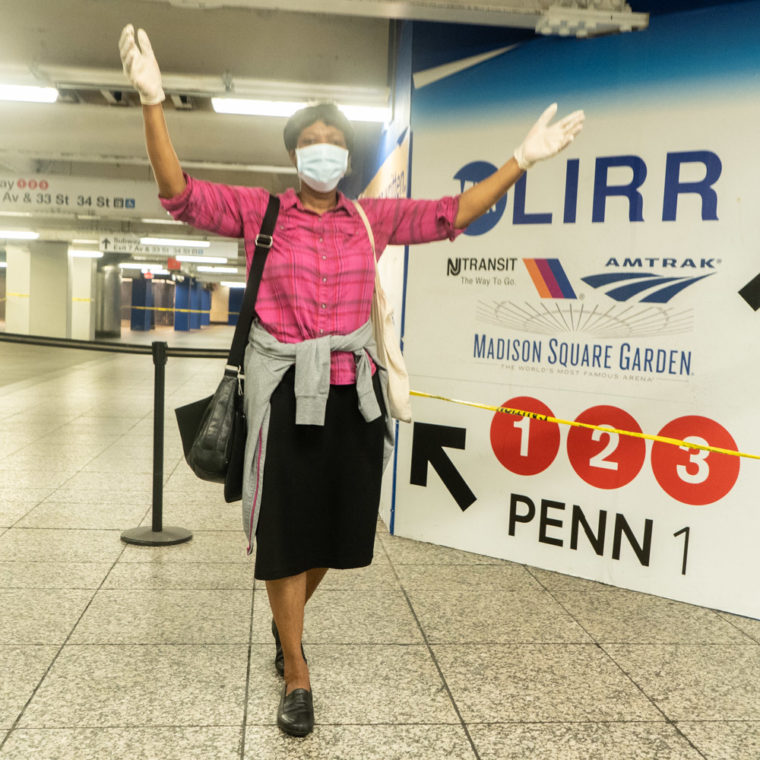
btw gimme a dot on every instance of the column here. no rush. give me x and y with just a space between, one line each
236 301
181 304
205 307
49 291
37 283
195 306
82 284
142 296
220 304
18 277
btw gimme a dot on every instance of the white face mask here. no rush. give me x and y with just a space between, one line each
321 165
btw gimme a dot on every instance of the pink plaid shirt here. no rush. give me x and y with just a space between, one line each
319 274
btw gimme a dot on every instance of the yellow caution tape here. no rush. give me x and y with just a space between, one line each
169 308
142 308
573 423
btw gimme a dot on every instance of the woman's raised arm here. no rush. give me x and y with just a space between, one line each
141 68
543 141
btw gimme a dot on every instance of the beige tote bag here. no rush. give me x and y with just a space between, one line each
388 350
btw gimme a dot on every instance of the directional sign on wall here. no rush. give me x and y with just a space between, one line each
79 196
125 243
428 445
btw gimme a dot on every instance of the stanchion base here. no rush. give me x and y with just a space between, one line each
146 536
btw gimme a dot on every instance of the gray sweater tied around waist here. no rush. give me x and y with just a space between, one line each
266 362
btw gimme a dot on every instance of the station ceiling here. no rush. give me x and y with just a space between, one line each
252 48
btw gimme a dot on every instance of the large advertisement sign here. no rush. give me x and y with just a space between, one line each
615 286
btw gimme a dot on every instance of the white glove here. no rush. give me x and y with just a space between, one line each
544 140
140 65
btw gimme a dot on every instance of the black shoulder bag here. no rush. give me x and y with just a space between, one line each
213 430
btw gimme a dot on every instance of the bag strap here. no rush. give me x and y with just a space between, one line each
360 211
245 318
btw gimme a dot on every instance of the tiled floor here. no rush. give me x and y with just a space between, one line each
116 651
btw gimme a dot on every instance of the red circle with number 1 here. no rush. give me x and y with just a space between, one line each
602 459
695 476
523 445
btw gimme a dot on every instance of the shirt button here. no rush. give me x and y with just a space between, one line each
321 331
324 305
324 258
320 240
324 279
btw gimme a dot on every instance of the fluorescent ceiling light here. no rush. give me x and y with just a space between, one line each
175 242
85 241
204 259
18 235
142 266
381 114
77 253
161 221
286 108
160 271
251 107
28 94
229 284
219 270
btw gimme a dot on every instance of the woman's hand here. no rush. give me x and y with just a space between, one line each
545 140
141 68
140 65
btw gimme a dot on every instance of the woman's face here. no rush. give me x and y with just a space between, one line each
319 132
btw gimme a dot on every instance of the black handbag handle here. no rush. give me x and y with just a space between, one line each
245 318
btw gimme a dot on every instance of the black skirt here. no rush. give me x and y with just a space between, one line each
321 488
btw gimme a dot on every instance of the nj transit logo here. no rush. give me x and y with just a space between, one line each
549 278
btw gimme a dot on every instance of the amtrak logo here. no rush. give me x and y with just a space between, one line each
623 286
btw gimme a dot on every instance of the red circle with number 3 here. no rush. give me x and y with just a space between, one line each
602 459
523 445
695 476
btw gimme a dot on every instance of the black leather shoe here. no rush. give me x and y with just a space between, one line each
295 715
279 658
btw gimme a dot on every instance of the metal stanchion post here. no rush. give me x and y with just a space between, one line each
157 535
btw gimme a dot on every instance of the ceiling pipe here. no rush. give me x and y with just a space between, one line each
555 17
206 86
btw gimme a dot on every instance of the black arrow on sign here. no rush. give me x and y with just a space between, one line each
106 243
428 442
751 293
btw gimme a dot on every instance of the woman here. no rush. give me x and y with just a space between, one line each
315 462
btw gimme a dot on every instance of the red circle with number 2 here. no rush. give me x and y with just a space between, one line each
606 459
